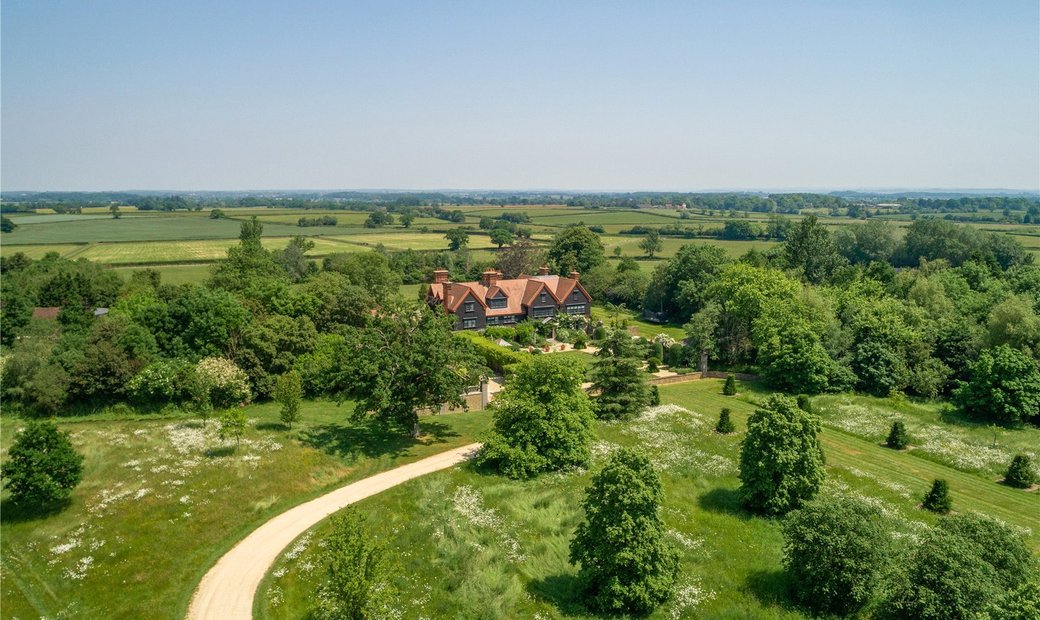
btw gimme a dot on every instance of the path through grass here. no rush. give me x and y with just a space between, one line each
162 499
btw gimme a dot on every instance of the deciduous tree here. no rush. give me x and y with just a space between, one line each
835 549
1004 387
42 466
781 461
542 420
625 566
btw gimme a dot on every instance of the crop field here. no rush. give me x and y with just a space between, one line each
155 238
154 252
163 497
157 227
467 544
629 245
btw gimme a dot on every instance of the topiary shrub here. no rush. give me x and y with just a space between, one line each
897 436
42 467
1020 473
657 350
725 425
938 498
655 396
730 387
600 333
653 364
580 342
673 355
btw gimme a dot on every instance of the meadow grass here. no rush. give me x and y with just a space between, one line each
645 328
163 497
468 544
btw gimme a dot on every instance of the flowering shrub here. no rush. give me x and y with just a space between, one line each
160 382
225 383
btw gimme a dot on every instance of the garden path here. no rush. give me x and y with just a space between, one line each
226 592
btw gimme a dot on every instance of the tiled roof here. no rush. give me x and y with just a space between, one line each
519 292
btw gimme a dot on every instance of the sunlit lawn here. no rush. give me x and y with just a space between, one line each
162 499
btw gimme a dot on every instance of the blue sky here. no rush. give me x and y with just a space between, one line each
525 95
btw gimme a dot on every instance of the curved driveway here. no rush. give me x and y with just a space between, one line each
227 590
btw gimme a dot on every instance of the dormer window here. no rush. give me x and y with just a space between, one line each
497 302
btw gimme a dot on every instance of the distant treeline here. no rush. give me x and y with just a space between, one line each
1014 208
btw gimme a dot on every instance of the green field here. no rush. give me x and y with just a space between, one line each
155 238
162 498
465 544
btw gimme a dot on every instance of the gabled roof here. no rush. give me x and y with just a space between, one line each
519 292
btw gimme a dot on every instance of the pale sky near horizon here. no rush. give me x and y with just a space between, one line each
695 95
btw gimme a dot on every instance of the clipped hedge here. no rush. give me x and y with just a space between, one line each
496 357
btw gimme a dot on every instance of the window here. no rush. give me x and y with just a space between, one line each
492 320
497 302
544 312
575 308
509 319
542 297
575 294
469 306
469 323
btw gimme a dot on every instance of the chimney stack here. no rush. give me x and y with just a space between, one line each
543 270
490 277
440 276
574 274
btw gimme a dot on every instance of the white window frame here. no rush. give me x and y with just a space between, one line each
469 323
470 306
575 308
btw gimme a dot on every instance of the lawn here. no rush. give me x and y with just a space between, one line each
646 329
465 544
163 498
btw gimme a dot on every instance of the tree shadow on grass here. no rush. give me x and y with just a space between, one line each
271 426
562 591
726 501
771 588
371 438
13 512
220 452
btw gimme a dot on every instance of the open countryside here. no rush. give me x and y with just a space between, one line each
506 310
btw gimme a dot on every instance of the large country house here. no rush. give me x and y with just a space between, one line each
498 301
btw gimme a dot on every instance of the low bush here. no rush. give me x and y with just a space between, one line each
938 498
1020 473
495 356
897 436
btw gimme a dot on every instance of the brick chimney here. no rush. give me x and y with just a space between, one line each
440 276
574 275
543 270
490 277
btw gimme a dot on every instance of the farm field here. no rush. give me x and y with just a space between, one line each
466 544
154 238
162 498
152 252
